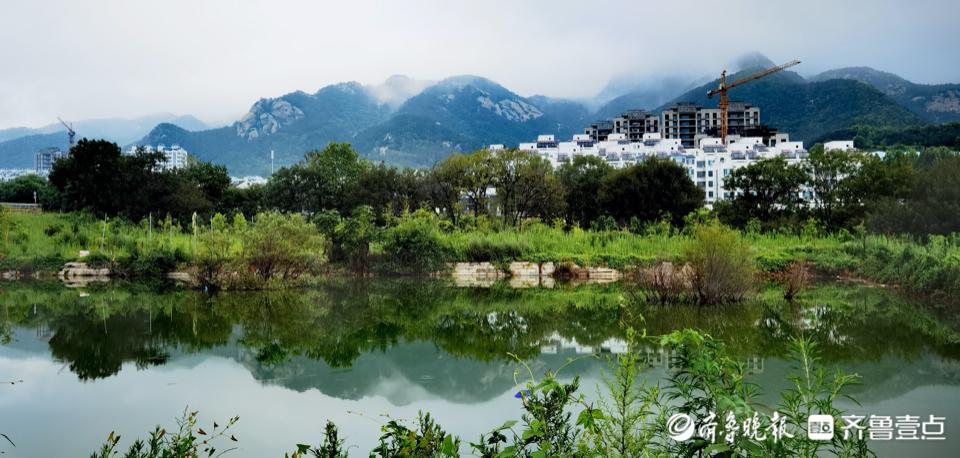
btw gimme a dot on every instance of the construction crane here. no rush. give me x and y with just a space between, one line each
722 89
70 132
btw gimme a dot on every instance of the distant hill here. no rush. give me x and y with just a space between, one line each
932 102
19 145
120 130
464 113
405 121
808 110
290 125
20 153
870 137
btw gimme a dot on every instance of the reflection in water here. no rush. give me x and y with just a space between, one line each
281 334
411 342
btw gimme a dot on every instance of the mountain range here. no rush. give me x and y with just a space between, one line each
405 121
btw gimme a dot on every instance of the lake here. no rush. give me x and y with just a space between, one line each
82 362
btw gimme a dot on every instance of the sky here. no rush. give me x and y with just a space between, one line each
214 58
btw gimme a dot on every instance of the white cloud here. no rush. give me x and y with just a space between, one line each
214 58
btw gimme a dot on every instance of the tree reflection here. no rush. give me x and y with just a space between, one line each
279 332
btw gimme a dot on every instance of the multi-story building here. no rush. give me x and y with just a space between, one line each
707 165
691 122
632 123
174 157
688 122
45 159
599 130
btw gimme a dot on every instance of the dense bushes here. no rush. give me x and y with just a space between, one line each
415 244
931 268
722 266
281 246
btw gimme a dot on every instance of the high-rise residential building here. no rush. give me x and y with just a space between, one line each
599 130
690 122
632 123
45 159
174 157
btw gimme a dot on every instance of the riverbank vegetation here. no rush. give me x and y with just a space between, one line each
335 211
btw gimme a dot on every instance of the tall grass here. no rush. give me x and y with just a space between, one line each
933 267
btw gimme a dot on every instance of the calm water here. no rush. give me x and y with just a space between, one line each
127 357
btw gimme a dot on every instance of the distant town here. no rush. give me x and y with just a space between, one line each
688 134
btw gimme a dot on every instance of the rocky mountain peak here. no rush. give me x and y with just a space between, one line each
266 117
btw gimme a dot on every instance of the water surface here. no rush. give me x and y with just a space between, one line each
127 357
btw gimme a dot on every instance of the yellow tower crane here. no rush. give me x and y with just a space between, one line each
722 89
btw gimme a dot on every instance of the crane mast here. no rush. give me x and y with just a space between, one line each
72 134
723 87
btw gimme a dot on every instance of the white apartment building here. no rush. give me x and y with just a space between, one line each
174 157
707 165
839 145
45 159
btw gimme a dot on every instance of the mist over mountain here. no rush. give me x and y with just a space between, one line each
645 95
407 121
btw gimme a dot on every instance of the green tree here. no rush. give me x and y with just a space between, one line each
525 186
95 177
325 179
471 175
830 175
768 190
212 180
29 189
650 191
415 243
581 179
931 207
846 184
353 236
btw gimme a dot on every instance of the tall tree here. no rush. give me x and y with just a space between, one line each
96 177
581 179
325 179
931 207
649 191
473 175
767 190
525 186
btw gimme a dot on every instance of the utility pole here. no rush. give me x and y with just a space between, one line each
271 162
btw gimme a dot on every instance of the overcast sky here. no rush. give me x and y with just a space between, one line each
214 58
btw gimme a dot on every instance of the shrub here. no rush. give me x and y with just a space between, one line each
665 282
722 265
795 279
150 263
281 246
415 244
484 250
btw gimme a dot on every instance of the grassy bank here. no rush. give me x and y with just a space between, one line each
49 239
43 242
